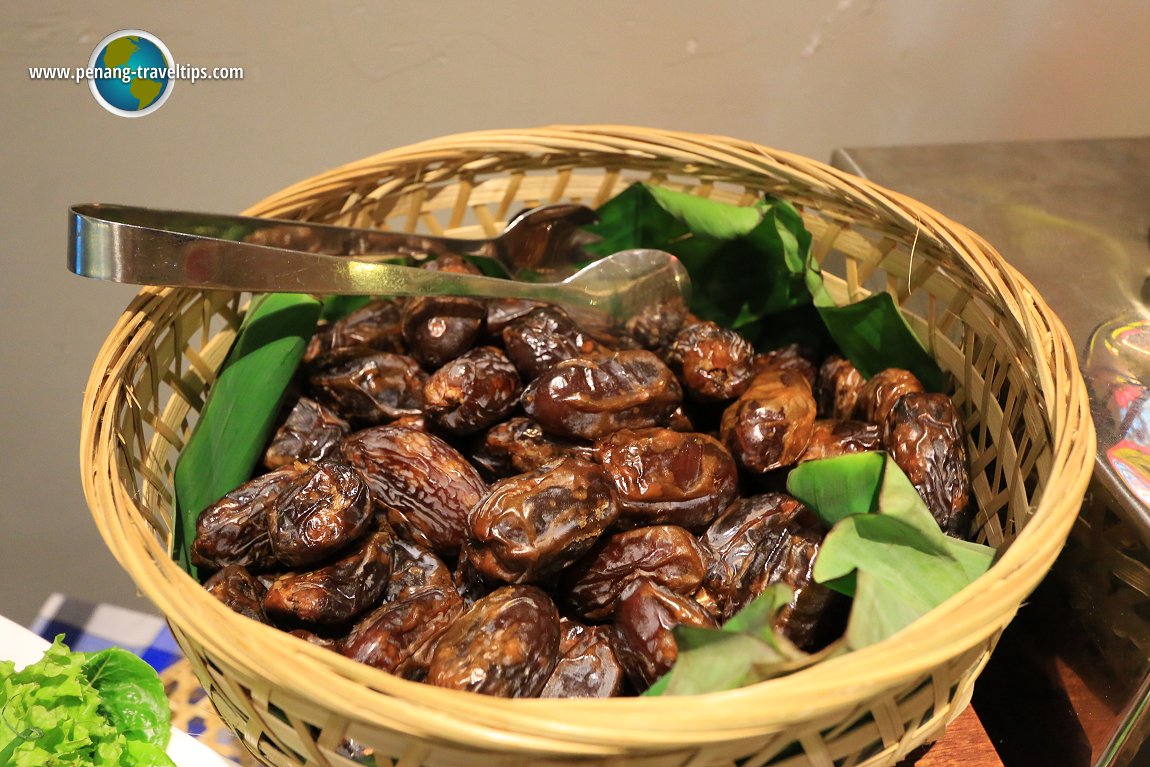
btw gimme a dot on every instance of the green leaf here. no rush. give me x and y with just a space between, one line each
835 488
241 409
874 335
132 696
904 564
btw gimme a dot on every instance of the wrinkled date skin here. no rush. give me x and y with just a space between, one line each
665 477
657 325
414 569
310 433
239 590
590 398
531 526
519 445
666 554
544 337
769 425
473 391
713 362
643 623
766 539
234 529
501 312
792 358
830 438
438 329
375 326
372 388
925 438
337 592
398 636
838 388
879 394
587 666
506 645
322 511
424 483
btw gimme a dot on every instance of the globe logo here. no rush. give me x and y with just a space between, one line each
132 73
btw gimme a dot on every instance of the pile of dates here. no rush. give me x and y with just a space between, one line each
481 495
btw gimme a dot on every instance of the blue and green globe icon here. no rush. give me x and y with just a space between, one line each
133 73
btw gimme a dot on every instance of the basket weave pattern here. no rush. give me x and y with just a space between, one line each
1031 442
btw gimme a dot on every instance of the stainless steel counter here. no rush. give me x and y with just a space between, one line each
1069 683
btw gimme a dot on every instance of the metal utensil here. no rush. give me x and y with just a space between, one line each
540 243
193 251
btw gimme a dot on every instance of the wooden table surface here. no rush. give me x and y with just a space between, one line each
965 744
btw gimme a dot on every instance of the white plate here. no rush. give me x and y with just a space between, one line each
22 647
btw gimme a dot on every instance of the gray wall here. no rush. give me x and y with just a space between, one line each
330 82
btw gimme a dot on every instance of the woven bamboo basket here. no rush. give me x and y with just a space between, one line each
1017 385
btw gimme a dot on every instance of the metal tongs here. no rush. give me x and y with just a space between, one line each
144 246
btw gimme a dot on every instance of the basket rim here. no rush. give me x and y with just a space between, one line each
834 684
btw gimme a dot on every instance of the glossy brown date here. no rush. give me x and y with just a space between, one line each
371 388
880 393
398 636
426 486
767 539
643 625
375 326
239 590
234 529
792 358
501 312
414 569
590 398
770 424
337 592
310 433
587 666
506 645
665 477
473 391
438 329
324 509
830 438
519 445
544 337
838 388
529 527
714 363
657 325
926 439
666 554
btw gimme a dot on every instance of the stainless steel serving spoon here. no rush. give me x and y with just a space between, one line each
180 249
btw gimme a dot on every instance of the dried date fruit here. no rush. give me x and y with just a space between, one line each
399 636
529 527
657 325
313 638
793 358
414 569
926 439
519 445
323 510
506 645
590 398
234 529
472 392
375 326
239 590
769 425
665 477
643 623
310 433
767 539
438 329
501 312
666 554
881 391
713 362
544 337
426 486
337 592
371 388
839 385
830 438
587 666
